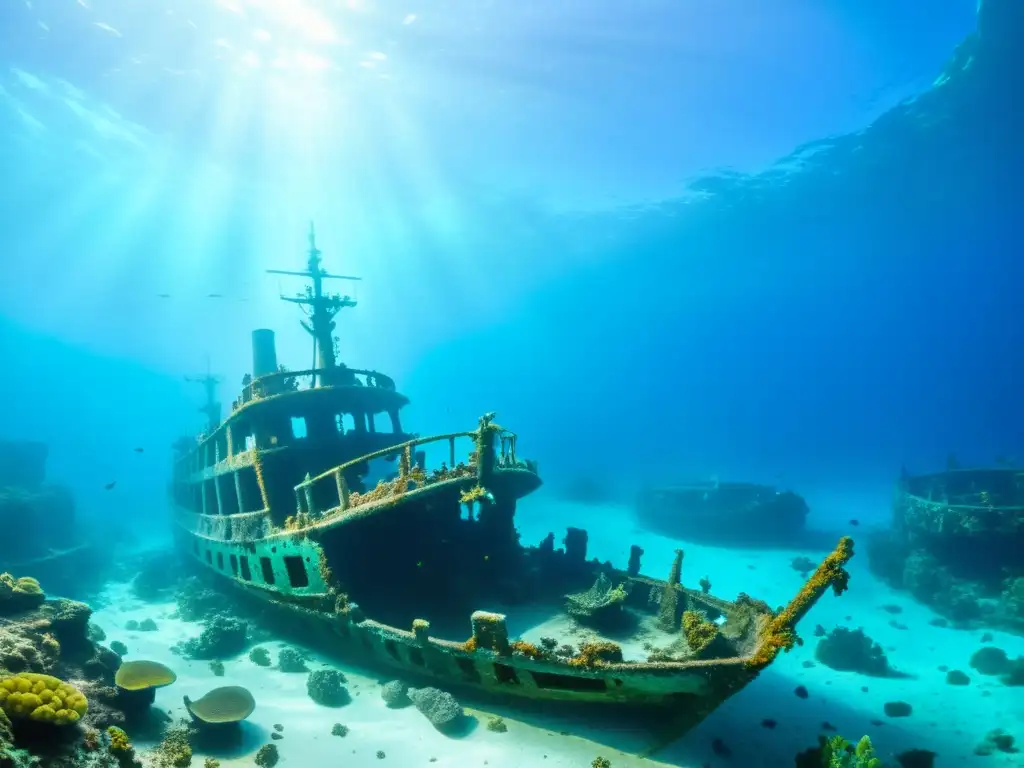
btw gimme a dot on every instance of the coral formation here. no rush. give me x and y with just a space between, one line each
496 725
291 660
994 662
267 756
837 752
175 749
327 687
395 694
847 650
439 707
996 740
221 638
699 632
42 697
597 654
17 595
260 656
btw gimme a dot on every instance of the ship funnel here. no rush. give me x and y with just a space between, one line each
264 353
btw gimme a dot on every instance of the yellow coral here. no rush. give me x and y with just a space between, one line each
529 650
119 741
42 697
597 654
698 630
26 585
473 494
779 634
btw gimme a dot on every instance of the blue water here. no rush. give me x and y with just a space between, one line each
664 240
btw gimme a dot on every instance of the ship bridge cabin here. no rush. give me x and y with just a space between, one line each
286 426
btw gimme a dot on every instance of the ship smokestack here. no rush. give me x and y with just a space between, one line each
264 353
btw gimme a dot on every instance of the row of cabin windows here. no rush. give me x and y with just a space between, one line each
239 492
344 423
294 567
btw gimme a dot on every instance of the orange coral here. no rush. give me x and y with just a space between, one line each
470 645
779 634
527 649
596 654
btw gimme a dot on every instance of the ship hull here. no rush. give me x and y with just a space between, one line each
393 650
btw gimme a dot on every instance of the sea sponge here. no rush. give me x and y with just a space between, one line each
228 704
140 675
42 697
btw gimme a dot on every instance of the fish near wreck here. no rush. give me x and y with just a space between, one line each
377 544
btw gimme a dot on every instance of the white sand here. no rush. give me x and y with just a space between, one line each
948 720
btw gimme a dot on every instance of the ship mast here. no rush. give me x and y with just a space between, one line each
211 408
320 307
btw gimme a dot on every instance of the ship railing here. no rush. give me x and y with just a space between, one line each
281 382
310 496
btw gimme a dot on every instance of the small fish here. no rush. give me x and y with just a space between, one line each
215 295
855 522
110 486
164 295
827 726
801 692
139 450
768 723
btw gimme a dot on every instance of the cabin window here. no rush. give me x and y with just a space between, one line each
268 570
505 674
552 680
250 442
344 423
468 669
246 573
195 546
298 427
416 656
297 575
220 561
209 557
392 649
234 565
228 494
